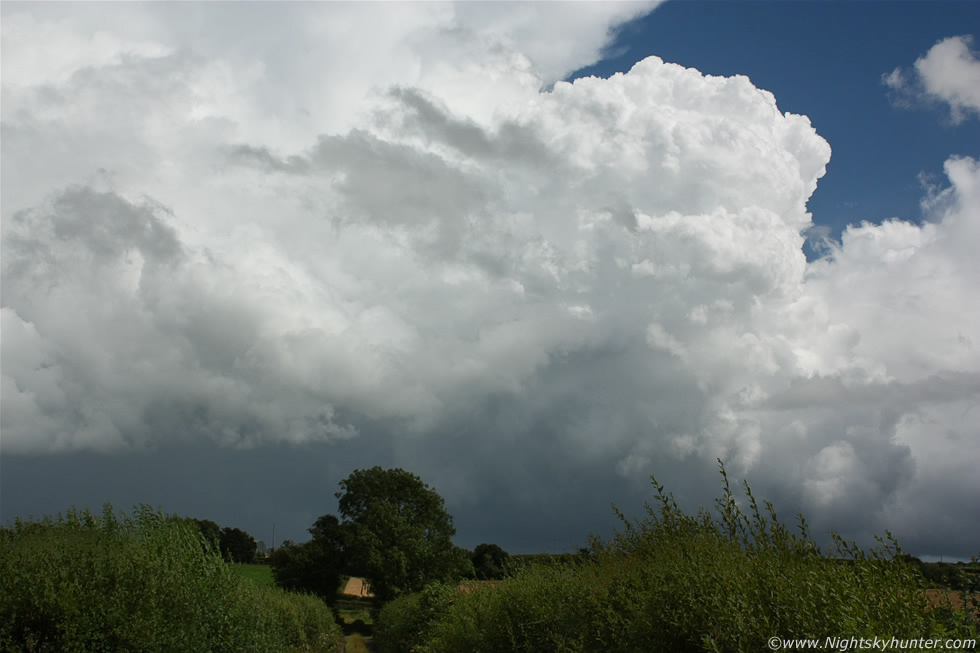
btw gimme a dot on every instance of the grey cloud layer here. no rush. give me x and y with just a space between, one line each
607 277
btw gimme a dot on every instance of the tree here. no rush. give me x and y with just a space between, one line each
210 530
314 566
400 533
489 562
237 545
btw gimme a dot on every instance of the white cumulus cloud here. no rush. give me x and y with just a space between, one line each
949 72
314 237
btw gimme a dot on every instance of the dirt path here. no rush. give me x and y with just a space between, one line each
367 642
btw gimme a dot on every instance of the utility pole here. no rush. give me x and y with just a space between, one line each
273 536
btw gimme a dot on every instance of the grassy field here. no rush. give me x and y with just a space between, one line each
258 574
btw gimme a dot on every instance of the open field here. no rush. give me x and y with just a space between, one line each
258 574
357 587
958 600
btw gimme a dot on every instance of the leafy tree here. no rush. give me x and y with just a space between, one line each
400 533
237 545
314 566
489 561
210 530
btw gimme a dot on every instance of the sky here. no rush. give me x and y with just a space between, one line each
533 253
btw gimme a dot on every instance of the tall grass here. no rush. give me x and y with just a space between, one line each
145 582
675 582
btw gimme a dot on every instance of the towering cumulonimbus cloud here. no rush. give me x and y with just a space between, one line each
607 273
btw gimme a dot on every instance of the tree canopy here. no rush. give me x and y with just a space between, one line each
489 561
400 534
395 532
315 566
210 530
237 545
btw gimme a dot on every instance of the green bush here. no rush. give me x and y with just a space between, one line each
148 582
403 624
297 622
540 608
675 582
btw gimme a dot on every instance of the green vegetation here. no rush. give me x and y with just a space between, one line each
236 545
521 560
395 532
490 562
209 530
354 611
356 614
313 566
675 582
943 575
356 644
148 582
672 582
400 535
258 574
406 623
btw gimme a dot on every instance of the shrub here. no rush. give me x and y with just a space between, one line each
147 582
490 562
541 608
676 582
403 624
308 567
297 622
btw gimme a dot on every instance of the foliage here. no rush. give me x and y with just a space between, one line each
351 611
676 582
82 582
400 535
313 566
210 531
489 561
540 608
237 545
404 623
297 622
521 560
947 576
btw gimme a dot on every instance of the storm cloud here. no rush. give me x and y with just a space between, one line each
426 244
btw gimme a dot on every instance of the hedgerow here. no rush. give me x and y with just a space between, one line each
145 582
403 624
675 582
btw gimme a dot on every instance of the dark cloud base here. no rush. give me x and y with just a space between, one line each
292 486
